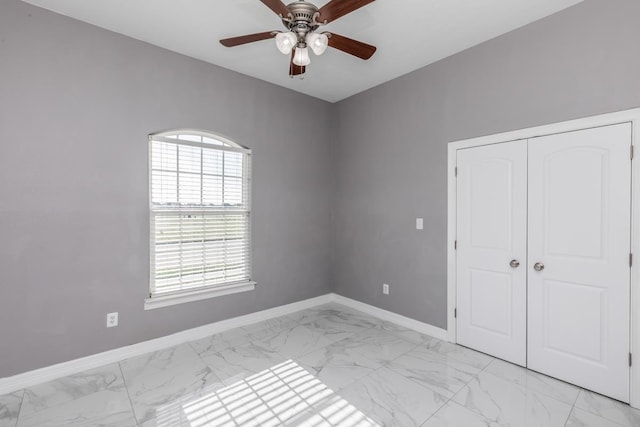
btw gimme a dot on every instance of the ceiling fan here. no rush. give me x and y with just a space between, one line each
302 20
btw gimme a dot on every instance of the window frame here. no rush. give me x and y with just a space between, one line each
203 292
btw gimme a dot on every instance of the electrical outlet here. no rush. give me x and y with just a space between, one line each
112 320
385 289
419 223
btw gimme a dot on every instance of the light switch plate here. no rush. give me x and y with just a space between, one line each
419 223
112 320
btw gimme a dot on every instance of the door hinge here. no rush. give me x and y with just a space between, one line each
630 260
455 313
630 359
631 152
455 172
455 245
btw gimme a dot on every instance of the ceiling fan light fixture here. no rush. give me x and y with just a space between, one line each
301 57
318 42
286 42
302 20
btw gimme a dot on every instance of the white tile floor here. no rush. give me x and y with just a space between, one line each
327 366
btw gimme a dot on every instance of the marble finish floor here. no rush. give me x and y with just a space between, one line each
326 366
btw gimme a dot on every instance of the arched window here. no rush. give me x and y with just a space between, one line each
199 216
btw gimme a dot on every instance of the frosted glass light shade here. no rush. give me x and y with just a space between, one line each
318 42
286 42
301 57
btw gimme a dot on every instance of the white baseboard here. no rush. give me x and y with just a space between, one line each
390 316
38 376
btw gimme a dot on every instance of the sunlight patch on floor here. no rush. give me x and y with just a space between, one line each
285 394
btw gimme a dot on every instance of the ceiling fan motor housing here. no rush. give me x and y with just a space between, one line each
302 20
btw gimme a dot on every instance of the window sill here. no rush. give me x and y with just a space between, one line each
196 295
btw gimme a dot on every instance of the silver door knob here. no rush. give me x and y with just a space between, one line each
538 266
514 263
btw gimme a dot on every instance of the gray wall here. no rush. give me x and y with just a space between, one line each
76 106
391 155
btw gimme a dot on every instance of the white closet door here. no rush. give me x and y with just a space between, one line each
579 238
491 221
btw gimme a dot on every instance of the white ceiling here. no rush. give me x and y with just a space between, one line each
409 34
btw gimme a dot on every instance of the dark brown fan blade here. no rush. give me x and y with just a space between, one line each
277 6
351 46
295 70
249 38
338 8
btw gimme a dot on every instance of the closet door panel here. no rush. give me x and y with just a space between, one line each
578 265
491 221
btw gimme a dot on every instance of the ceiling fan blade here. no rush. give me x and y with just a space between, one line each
249 38
277 6
351 46
296 70
338 8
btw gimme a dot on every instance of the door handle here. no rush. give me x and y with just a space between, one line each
514 263
538 266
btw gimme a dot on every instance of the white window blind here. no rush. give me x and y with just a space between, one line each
200 225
